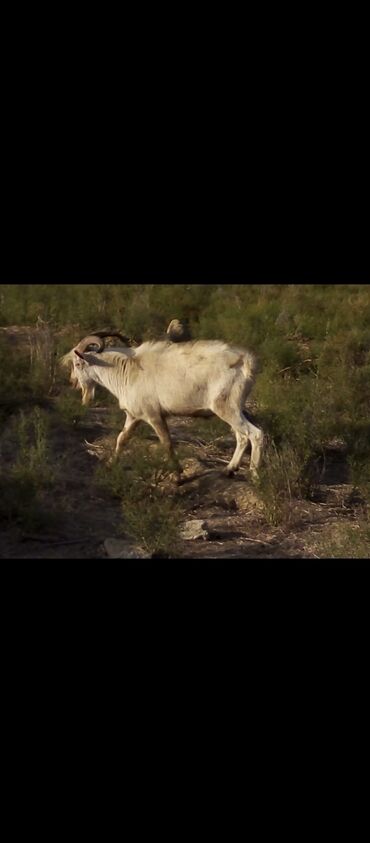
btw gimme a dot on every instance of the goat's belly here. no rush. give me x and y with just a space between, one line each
185 399
206 414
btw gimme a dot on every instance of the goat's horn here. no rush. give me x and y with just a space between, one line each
103 334
94 339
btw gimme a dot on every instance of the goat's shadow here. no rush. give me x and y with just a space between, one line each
215 476
197 475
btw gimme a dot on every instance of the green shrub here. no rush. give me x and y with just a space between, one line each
280 480
32 450
151 512
29 369
25 483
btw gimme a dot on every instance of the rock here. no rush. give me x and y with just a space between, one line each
194 530
192 466
123 549
241 495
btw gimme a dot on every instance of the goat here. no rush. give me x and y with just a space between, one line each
160 379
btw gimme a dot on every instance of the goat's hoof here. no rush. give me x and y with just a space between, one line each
229 472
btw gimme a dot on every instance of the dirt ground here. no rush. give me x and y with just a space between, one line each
230 507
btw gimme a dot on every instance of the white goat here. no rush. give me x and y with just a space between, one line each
160 379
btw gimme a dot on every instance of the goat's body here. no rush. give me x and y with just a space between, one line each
161 379
175 380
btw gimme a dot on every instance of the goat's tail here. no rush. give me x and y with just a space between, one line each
247 362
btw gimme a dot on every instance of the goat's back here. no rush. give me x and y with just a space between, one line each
196 356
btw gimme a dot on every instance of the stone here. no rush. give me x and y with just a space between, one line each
241 495
195 529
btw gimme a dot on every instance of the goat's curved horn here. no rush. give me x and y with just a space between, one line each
94 339
103 334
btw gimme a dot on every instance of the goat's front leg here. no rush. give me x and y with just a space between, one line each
160 427
126 433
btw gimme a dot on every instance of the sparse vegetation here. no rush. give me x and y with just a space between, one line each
313 344
279 482
344 541
30 474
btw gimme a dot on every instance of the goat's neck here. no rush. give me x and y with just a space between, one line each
110 377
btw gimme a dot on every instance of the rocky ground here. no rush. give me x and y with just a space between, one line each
225 516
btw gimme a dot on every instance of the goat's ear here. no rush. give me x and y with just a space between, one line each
81 356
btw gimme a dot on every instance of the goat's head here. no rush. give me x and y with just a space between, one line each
81 361
80 377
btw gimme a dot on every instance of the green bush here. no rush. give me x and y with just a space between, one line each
25 483
281 479
151 511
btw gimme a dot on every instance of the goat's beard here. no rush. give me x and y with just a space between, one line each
82 381
88 394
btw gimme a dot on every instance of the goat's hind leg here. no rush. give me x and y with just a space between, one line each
244 431
242 440
248 432
256 437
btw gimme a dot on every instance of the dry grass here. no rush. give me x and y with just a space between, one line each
342 540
